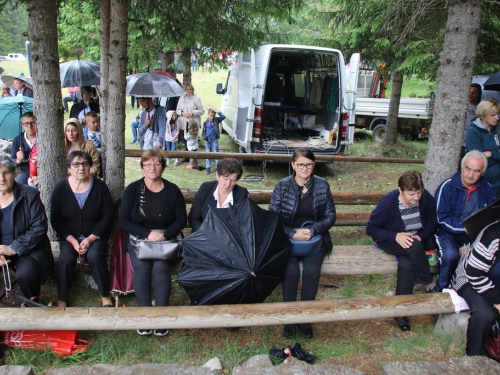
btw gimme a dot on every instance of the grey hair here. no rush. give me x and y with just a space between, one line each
7 162
476 154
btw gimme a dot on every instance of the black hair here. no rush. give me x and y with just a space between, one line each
305 152
229 166
78 154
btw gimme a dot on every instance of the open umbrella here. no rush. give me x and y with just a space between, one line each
238 255
11 109
80 73
493 83
476 222
147 85
9 78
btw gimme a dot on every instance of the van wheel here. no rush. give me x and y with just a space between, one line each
378 132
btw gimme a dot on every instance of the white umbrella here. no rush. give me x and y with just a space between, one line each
9 78
147 85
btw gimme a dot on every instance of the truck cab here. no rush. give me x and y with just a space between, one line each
282 97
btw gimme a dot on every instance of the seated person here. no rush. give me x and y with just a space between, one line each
74 141
92 131
472 283
402 222
24 245
457 198
218 194
22 145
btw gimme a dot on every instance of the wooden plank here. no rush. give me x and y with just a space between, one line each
187 317
133 153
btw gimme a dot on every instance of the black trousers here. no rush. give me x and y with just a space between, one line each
310 277
96 257
28 274
412 263
482 316
151 272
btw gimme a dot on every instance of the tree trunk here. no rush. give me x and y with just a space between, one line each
455 72
167 60
42 30
113 148
186 61
391 127
104 13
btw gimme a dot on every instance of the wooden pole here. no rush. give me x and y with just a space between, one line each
274 157
263 314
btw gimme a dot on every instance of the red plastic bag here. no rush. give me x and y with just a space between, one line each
60 342
492 344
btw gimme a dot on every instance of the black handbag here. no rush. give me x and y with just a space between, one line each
306 248
156 250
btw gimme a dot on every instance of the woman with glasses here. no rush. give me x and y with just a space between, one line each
302 198
24 245
75 141
152 209
81 213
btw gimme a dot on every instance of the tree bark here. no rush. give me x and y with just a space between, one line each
167 60
113 148
391 126
186 61
104 13
455 72
42 30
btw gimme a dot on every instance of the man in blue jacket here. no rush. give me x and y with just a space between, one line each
457 198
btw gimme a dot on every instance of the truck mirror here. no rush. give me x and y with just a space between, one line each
219 89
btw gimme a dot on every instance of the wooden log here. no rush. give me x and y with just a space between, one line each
263 314
276 157
341 197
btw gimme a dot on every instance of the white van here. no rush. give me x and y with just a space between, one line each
16 57
282 97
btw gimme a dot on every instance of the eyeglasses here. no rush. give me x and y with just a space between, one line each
28 123
151 165
77 165
304 165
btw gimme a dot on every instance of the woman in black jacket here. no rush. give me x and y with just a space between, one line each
24 245
300 198
218 194
153 209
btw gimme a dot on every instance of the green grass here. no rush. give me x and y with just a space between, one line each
414 88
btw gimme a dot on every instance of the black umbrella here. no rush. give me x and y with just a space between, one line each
238 255
78 73
476 222
148 85
493 83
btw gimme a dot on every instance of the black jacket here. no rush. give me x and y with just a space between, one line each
96 216
174 215
79 106
285 200
29 227
204 199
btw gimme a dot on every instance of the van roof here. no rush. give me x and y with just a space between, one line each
295 47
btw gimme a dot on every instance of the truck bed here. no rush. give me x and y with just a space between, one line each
408 107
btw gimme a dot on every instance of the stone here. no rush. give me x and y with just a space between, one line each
456 366
304 369
213 364
143 369
452 324
261 360
16 370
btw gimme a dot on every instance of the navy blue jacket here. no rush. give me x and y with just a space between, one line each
450 200
216 122
386 222
285 199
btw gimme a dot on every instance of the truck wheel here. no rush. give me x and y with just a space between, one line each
378 132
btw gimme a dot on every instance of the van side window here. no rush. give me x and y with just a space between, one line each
299 84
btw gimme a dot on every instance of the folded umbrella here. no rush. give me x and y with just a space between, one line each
476 222
9 78
238 255
80 73
11 109
148 85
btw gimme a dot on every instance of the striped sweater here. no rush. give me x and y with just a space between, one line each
474 268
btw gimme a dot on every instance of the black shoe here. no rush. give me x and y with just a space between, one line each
306 330
144 332
434 289
289 331
403 323
161 332
133 142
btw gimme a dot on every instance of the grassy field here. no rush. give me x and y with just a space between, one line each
364 345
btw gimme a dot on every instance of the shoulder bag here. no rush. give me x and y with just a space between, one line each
156 250
305 248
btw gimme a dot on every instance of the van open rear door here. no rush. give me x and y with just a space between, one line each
246 95
350 97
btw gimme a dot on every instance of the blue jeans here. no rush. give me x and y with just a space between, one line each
211 145
134 125
448 255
